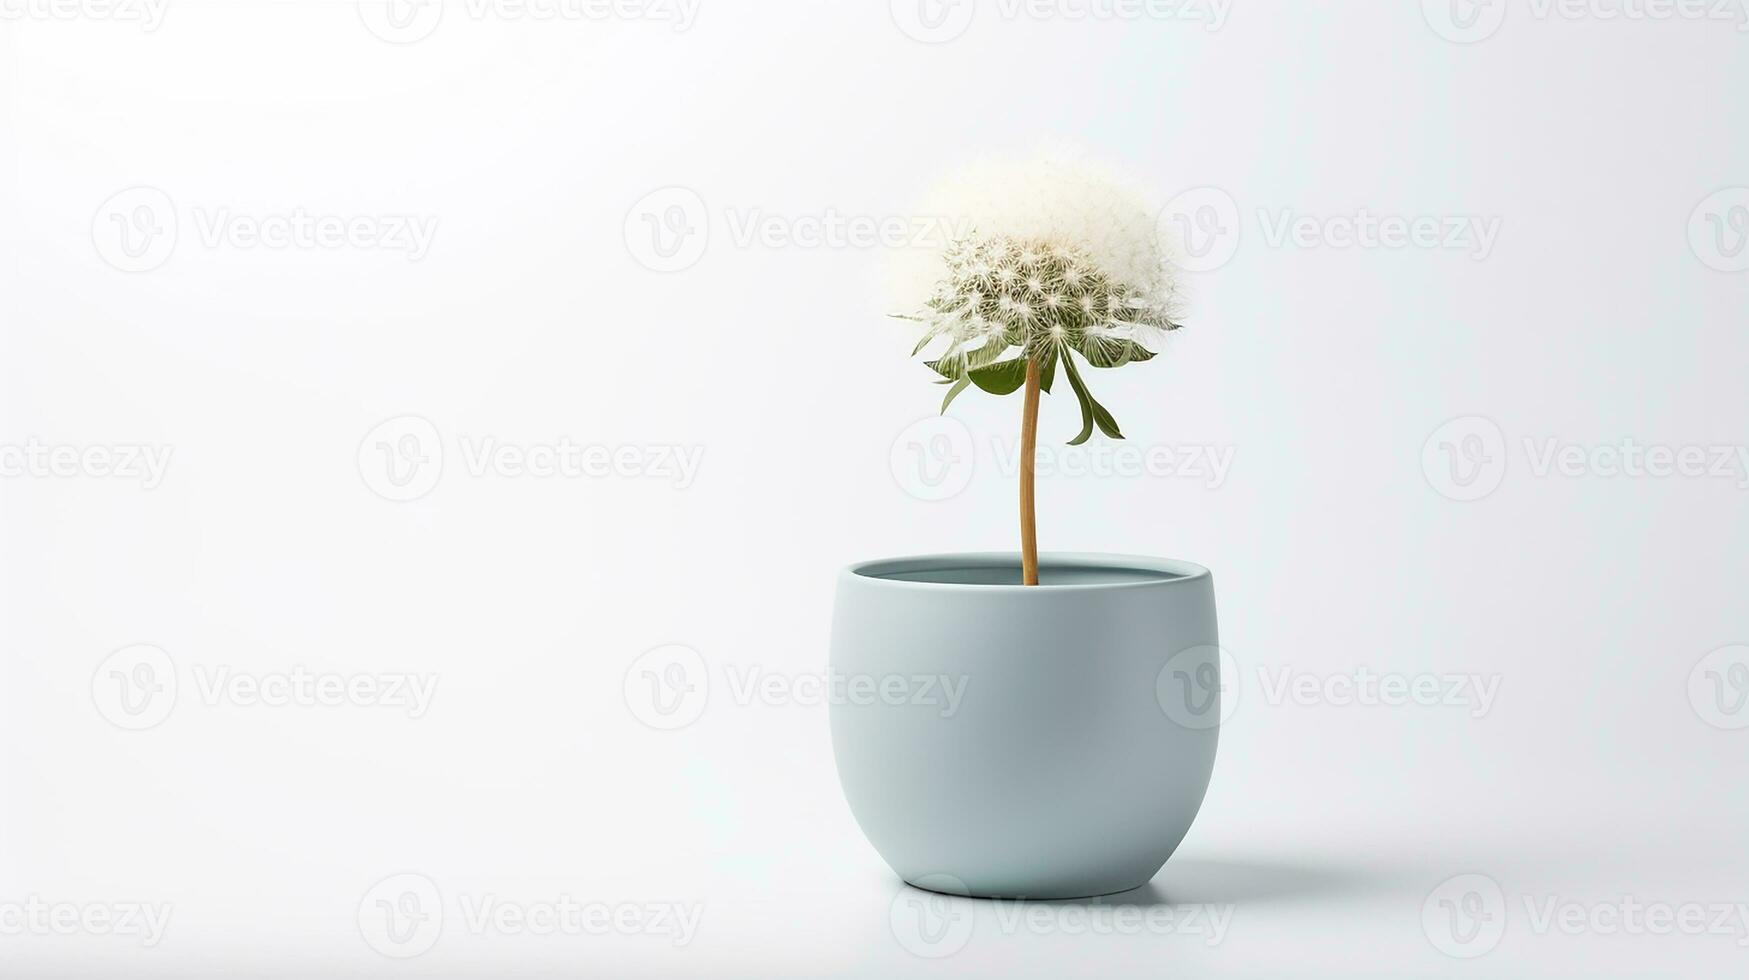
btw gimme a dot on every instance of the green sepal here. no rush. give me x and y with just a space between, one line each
958 386
957 365
1047 371
1104 355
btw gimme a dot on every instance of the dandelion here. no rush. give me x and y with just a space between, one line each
1050 261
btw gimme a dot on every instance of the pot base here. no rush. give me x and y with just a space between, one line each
1046 895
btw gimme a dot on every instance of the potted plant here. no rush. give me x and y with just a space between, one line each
1065 768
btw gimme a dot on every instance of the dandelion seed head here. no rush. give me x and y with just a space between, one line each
1041 249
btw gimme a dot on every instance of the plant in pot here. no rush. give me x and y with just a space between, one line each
1068 767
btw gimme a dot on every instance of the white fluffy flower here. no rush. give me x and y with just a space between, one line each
1042 256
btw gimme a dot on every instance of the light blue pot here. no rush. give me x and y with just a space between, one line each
1080 743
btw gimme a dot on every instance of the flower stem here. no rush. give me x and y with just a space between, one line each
1028 449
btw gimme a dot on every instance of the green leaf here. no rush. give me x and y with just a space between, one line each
1092 413
1110 354
952 393
1081 396
1001 378
1103 419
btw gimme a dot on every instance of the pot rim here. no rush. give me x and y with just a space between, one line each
1180 572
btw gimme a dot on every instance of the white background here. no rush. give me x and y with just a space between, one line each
1609 767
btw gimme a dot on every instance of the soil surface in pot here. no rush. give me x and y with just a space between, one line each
974 572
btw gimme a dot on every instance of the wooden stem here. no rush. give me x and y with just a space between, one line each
1028 450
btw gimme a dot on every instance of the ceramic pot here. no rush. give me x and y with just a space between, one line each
1049 741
